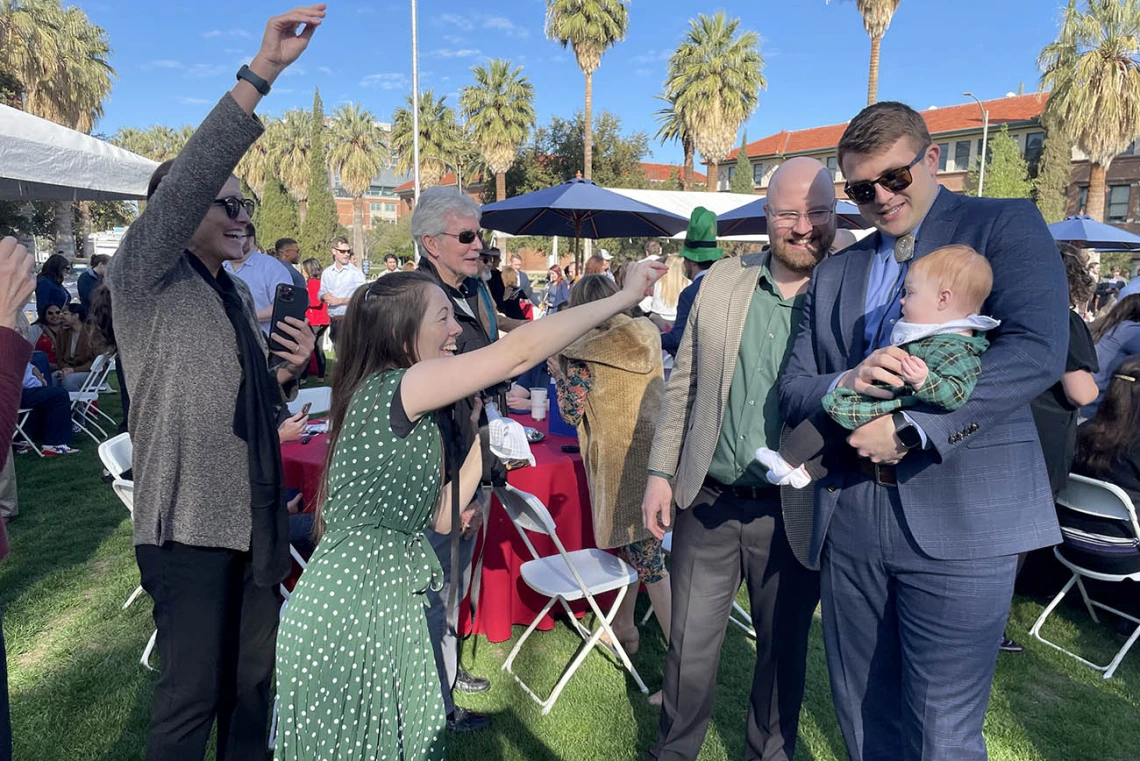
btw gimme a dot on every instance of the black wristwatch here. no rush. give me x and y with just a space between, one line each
906 431
259 84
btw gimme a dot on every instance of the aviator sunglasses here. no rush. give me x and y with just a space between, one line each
234 205
894 180
467 237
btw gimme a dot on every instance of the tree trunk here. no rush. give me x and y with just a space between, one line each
64 229
712 178
501 186
588 137
1094 207
302 210
358 226
873 73
687 172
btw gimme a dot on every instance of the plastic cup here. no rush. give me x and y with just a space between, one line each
538 401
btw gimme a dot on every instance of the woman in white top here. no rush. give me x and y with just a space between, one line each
667 292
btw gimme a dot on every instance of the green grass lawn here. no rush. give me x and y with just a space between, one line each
79 694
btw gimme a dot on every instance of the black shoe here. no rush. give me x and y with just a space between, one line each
1010 646
464 720
465 682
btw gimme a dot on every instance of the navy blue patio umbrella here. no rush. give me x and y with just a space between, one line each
750 218
1084 231
580 209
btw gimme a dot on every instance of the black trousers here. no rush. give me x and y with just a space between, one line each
216 636
319 350
335 324
717 541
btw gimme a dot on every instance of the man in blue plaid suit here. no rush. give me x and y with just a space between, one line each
918 535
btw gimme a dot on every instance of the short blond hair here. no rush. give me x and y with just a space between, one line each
960 269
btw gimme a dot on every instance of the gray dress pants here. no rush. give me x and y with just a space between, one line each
444 639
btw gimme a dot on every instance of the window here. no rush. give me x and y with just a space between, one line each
1083 200
943 156
833 167
989 150
390 208
1033 143
375 208
757 174
961 155
1130 150
1117 203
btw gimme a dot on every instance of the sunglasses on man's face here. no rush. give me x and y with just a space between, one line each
467 237
345 251
234 205
894 180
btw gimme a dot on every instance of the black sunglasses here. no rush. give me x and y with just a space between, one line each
467 237
893 180
234 205
343 251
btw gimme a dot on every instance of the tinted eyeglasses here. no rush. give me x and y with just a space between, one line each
467 237
234 205
347 251
894 180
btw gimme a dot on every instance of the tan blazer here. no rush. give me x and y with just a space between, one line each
697 392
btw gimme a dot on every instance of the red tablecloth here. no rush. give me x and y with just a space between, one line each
557 478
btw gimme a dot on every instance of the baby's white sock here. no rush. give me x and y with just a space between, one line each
780 472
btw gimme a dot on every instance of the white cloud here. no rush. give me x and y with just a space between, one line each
166 64
652 55
454 19
501 24
460 53
205 70
324 70
213 33
506 26
294 71
386 81
186 100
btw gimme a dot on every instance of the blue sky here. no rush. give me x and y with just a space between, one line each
175 58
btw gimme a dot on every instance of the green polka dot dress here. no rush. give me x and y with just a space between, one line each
356 675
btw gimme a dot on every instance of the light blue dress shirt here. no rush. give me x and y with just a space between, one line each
262 273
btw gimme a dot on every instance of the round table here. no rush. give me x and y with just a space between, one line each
558 479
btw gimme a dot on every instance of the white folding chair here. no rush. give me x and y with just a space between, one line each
284 602
84 402
20 436
1102 542
563 578
116 453
737 616
319 396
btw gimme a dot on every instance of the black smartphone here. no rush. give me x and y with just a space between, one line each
288 301
571 448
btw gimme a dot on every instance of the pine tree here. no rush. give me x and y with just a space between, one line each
741 181
278 218
1054 172
1007 173
321 223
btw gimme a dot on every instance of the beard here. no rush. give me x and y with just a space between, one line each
801 260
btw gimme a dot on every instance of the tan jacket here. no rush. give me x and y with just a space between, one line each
697 394
616 431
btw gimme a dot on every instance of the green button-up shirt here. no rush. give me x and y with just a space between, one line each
752 416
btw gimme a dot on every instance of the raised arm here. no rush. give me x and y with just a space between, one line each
155 241
435 383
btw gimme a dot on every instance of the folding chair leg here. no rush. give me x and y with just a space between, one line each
273 723
740 617
648 613
1088 602
145 660
134 596
1123 651
1108 670
529 630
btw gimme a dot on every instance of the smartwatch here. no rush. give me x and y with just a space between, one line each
906 431
259 84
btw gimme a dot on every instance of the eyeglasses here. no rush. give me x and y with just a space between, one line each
467 237
893 180
234 205
785 220
343 251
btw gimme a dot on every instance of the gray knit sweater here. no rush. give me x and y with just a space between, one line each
180 354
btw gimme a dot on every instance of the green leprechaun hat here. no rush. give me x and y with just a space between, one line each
700 240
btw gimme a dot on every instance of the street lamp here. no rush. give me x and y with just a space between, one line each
415 111
985 137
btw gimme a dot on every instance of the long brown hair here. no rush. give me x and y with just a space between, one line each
379 333
1110 436
1125 310
1082 284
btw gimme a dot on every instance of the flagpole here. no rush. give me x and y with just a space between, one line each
415 107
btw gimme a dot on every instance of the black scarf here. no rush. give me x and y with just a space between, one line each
255 423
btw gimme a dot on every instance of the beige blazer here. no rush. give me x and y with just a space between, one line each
697 392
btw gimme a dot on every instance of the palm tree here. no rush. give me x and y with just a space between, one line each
876 19
357 150
251 167
440 138
499 109
715 76
672 129
590 27
1093 71
132 139
288 149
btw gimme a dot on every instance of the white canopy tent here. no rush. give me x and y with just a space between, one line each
44 161
683 203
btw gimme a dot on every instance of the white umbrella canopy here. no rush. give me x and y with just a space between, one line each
683 203
44 161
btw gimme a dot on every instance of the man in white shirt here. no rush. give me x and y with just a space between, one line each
338 282
262 273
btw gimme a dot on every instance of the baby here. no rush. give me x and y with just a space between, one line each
940 330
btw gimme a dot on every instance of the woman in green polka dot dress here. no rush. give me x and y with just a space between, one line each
356 677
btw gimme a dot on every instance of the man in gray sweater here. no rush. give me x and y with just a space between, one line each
208 496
